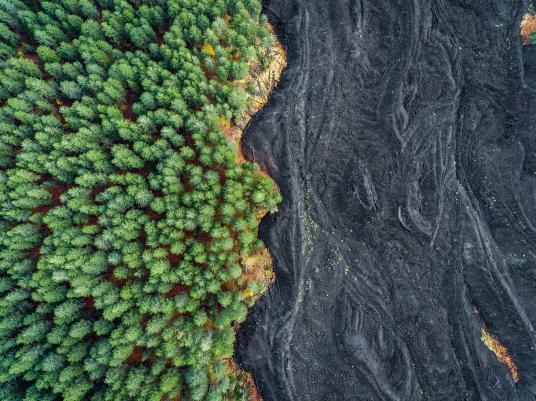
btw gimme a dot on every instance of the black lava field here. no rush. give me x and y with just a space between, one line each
403 138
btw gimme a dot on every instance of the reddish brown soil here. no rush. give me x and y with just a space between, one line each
177 290
126 108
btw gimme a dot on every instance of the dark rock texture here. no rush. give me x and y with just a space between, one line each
403 138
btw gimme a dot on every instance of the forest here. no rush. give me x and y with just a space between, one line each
125 216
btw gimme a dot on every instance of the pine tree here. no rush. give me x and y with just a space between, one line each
124 213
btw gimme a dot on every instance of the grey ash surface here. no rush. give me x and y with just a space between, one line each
403 138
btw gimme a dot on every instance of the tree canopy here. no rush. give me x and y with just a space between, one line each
124 215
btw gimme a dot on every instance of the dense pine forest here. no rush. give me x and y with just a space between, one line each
125 216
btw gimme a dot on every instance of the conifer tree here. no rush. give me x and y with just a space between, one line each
124 215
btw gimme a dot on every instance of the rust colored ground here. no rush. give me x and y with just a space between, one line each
500 351
528 27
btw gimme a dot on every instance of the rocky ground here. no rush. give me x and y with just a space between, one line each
403 138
